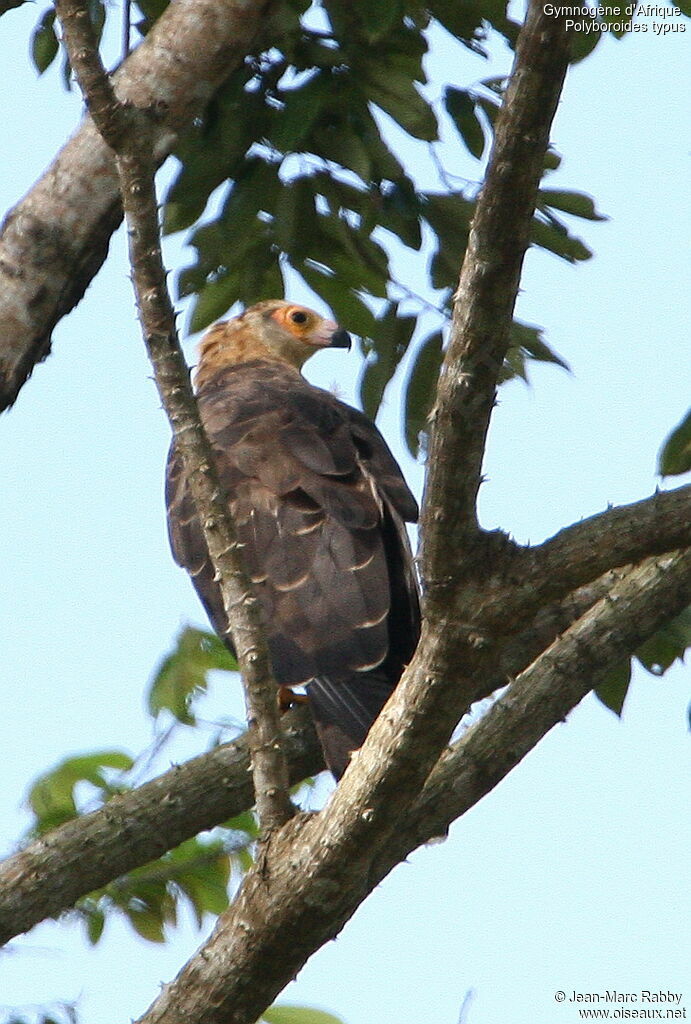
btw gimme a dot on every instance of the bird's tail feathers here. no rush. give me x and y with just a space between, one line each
344 708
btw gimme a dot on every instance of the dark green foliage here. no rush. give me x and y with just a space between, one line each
199 871
390 340
462 107
293 169
196 873
575 203
527 343
612 692
8 5
675 456
309 183
183 674
421 388
656 655
44 42
668 644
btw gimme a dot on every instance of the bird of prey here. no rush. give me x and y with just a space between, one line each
319 504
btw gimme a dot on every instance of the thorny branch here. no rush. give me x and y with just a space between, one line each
398 792
314 888
199 794
129 131
54 241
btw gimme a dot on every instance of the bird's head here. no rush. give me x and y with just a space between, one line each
275 330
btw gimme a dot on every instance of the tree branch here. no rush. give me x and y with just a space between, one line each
574 664
132 829
288 909
628 533
532 577
483 308
129 132
55 239
57 870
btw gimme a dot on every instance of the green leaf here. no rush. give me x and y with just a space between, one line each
342 145
256 275
302 107
215 151
376 19
385 164
612 691
576 203
530 339
183 674
556 238
255 190
449 216
298 1015
95 923
461 108
390 342
200 869
463 20
294 214
44 43
583 43
397 95
614 15
358 263
348 308
421 390
147 922
152 11
552 160
206 888
214 299
52 797
400 213
490 106
675 456
669 643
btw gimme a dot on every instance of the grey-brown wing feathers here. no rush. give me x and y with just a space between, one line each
319 502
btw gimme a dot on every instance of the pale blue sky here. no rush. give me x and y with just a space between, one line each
574 872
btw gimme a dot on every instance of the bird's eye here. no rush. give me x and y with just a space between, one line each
298 317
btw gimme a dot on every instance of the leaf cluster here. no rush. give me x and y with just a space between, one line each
293 171
197 873
670 643
304 166
656 655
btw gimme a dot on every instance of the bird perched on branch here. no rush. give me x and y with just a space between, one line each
319 504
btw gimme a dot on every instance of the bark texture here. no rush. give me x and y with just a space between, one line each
319 869
493 610
131 132
51 874
53 242
55 871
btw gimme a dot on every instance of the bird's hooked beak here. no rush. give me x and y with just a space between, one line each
330 335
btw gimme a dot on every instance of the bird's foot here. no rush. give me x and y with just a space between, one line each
287 698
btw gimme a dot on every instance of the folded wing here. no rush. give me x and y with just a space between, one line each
319 504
